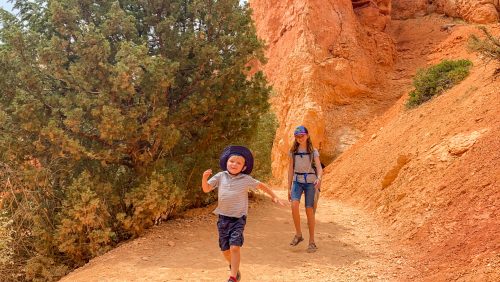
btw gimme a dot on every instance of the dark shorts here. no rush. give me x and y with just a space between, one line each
230 231
306 188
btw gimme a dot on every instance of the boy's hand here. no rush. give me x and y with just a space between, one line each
279 201
207 173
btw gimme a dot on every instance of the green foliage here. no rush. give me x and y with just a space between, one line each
436 79
262 144
84 230
109 113
6 250
42 269
150 202
489 46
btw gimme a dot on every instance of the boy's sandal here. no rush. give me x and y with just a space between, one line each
312 248
238 274
296 240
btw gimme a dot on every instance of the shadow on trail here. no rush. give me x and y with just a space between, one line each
270 230
189 247
268 233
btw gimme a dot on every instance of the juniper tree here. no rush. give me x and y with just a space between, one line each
118 107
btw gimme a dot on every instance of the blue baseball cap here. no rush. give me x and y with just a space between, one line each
239 151
300 130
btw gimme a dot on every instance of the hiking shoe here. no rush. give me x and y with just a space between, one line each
312 247
296 240
238 274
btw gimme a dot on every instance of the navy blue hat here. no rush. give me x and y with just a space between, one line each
240 151
300 130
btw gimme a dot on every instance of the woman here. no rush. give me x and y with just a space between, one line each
304 177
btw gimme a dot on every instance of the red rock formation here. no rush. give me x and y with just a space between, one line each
325 58
478 11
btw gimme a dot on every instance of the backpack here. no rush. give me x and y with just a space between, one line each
313 165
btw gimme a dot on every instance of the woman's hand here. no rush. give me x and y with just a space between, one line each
317 183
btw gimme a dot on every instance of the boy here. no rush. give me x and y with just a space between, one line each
233 183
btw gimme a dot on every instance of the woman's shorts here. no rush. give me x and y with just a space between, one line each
306 188
231 231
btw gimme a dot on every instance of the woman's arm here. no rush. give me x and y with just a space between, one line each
290 176
319 171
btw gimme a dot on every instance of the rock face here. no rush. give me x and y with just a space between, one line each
325 60
477 11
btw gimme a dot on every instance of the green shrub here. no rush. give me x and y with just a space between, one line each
109 113
42 269
84 230
262 144
149 203
489 47
436 79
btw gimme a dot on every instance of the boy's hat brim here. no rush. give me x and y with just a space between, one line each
237 150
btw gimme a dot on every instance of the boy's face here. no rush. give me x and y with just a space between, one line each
235 164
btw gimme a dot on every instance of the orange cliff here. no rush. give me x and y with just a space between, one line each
432 172
477 11
326 59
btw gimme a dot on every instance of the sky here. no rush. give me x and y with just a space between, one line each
6 5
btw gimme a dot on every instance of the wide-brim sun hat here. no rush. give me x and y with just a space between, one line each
300 130
240 151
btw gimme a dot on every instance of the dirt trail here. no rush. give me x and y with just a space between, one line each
352 247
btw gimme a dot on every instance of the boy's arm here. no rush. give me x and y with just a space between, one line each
204 181
270 192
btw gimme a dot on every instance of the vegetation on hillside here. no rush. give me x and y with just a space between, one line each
109 113
436 79
489 46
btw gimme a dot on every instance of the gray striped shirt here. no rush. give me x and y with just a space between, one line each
233 193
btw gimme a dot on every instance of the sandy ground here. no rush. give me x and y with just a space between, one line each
352 247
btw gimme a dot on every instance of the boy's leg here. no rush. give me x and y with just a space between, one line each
235 257
236 240
227 256
223 225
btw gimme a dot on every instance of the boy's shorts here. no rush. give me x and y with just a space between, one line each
306 188
230 231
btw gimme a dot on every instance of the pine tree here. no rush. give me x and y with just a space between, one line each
132 98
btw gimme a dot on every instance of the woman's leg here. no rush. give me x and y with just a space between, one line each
296 193
311 222
296 217
309 192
